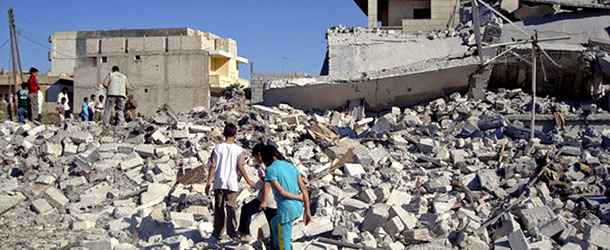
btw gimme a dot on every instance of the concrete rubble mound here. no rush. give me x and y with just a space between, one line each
451 173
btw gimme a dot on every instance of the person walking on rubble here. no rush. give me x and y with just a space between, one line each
290 193
265 203
117 87
226 160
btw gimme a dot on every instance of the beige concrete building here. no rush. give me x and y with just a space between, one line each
179 66
411 15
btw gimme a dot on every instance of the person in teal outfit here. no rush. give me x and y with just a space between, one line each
290 193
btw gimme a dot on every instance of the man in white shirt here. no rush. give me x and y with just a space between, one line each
64 94
227 158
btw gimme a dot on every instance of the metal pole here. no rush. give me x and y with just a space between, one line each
476 27
15 35
533 123
10 94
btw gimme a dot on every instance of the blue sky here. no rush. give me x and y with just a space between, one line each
277 35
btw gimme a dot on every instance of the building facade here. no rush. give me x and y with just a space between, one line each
411 15
179 66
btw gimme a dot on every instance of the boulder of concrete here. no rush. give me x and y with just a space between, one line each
376 217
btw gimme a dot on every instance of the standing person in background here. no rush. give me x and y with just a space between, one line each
64 94
34 86
99 108
91 108
117 87
84 114
22 103
290 193
130 107
61 112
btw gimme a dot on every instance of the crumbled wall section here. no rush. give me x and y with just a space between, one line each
257 83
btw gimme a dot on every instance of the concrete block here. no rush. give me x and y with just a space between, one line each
382 193
55 197
353 204
49 148
132 161
200 129
318 226
119 225
353 170
74 181
426 145
41 206
45 179
181 220
126 148
368 196
552 227
532 217
108 147
100 244
394 226
376 217
407 218
517 241
155 192
379 155
145 150
291 120
598 235
420 234
396 197
159 138
571 151
81 137
69 149
9 185
488 179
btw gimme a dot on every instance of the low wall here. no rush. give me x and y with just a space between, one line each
379 94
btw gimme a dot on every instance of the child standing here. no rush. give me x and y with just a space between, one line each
226 160
84 115
290 193
262 202
91 108
99 108
61 110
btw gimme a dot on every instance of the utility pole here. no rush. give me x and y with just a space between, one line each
12 102
16 37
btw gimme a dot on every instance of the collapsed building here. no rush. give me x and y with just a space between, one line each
393 66
181 67
455 174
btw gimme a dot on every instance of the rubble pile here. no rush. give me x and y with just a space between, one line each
453 173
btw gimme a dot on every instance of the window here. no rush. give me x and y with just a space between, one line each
126 45
422 13
137 57
104 59
146 91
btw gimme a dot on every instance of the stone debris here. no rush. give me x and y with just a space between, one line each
447 174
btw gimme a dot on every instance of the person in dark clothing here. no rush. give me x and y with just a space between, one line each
130 109
261 203
22 103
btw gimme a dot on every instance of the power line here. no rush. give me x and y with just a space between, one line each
45 46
